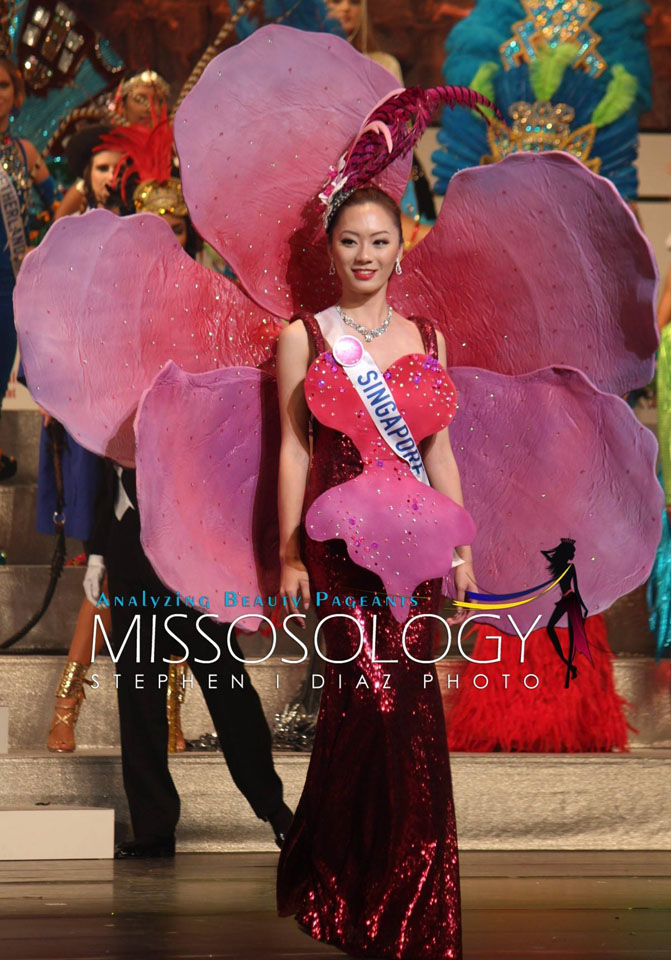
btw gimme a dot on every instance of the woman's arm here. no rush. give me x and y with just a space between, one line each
293 359
443 473
42 180
36 166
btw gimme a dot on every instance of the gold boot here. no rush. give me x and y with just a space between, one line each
70 693
176 692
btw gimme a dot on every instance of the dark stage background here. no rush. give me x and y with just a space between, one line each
170 35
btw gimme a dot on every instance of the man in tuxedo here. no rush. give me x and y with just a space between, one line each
115 549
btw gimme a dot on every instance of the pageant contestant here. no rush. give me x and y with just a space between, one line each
370 863
140 99
95 154
379 767
21 168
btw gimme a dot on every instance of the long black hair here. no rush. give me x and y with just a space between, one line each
560 556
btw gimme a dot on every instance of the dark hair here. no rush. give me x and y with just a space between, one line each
368 195
16 77
560 556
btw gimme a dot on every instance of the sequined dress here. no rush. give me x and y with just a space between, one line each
370 863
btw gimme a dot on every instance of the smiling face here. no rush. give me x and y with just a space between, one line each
348 12
364 244
103 165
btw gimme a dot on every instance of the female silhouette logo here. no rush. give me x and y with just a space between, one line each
560 565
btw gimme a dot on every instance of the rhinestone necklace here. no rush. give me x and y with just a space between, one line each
365 332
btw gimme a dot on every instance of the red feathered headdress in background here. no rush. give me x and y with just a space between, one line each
147 153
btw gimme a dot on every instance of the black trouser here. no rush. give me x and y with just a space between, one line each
235 710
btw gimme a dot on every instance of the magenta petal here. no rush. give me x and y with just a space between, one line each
256 138
404 543
207 455
545 456
95 329
537 261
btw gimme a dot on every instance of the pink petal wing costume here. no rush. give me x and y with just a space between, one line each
529 450
93 334
522 271
261 125
229 419
385 882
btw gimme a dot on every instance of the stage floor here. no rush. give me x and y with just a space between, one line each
567 906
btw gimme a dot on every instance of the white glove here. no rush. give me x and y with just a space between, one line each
93 579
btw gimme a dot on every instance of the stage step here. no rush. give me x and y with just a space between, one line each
22 588
28 684
56 833
504 802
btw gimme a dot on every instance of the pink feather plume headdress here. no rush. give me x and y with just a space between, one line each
391 130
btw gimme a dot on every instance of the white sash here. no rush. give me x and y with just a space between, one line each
10 207
371 387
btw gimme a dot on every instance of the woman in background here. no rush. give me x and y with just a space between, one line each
21 168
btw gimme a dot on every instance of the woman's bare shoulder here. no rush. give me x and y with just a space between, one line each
294 333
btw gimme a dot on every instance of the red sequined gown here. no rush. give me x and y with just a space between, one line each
370 863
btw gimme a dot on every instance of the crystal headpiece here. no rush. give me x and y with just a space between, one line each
148 78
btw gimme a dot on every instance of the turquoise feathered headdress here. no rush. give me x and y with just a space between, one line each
572 77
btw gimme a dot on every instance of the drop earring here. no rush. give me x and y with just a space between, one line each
332 268
398 268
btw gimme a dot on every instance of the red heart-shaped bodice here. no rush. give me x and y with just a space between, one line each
417 384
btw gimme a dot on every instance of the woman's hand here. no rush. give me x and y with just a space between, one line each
295 581
464 579
46 417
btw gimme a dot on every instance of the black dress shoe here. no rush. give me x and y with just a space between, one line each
138 849
280 821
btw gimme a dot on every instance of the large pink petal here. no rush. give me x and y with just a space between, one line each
405 546
537 261
102 305
256 137
207 456
544 456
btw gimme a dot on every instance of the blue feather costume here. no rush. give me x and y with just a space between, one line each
606 88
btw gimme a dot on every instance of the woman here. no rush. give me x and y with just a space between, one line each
139 100
388 885
355 21
95 169
95 154
21 167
